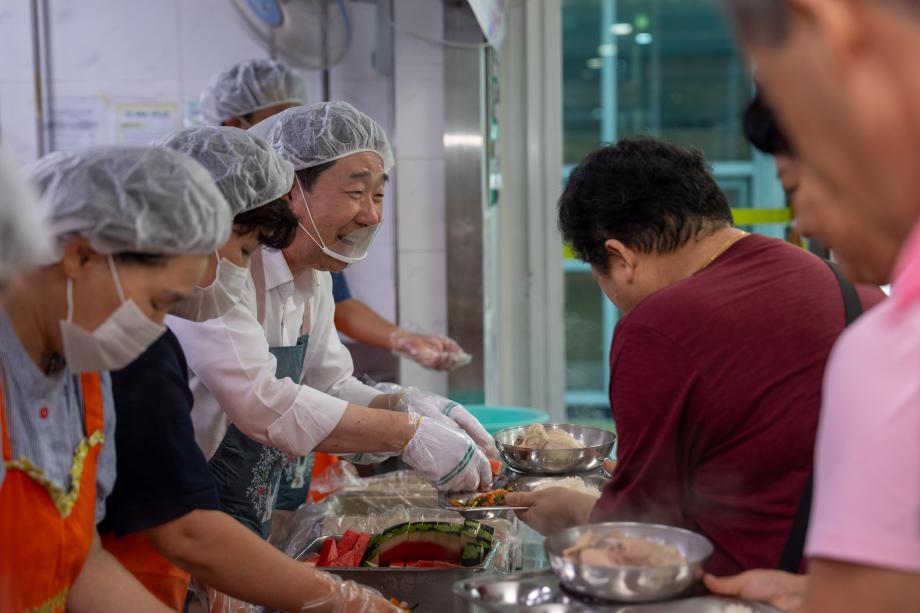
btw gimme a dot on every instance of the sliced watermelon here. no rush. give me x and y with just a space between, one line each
327 553
473 555
398 565
347 560
347 542
361 545
426 541
372 555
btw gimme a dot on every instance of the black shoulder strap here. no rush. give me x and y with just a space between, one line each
791 559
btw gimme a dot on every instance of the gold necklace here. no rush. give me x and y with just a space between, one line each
724 248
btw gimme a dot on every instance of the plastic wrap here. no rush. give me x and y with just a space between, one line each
340 597
429 350
373 504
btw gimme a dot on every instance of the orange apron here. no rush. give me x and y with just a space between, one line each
46 532
161 577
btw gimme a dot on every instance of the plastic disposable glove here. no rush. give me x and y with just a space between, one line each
448 457
428 350
347 596
366 458
428 404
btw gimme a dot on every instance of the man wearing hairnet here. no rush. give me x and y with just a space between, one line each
163 517
341 157
255 90
132 230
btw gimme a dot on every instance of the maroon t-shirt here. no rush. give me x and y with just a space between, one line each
715 388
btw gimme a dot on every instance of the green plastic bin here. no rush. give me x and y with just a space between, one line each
495 418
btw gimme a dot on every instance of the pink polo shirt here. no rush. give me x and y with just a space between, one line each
867 481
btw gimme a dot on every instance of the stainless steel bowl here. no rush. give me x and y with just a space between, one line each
630 583
597 443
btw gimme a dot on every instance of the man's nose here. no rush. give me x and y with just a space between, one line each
371 213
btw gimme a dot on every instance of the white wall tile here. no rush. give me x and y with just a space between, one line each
419 95
421 201
212 39
17 119
357 61
114 39
15 38
424 18
423 291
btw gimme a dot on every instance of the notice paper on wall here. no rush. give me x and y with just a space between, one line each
76 122
143 123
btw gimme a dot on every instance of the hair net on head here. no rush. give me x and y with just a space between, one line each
247 171
132 199
248 87
312 135
23 237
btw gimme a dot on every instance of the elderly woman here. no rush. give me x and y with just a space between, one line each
133 228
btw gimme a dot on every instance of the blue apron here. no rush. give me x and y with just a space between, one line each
249 474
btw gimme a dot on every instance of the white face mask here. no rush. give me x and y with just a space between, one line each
349 249
216 299
117 342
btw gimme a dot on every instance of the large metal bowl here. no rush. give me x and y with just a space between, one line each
630 583
598 444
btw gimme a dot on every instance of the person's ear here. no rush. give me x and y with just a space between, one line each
77 256
622 259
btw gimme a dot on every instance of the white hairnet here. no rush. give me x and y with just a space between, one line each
248 87
312 135
247 171
136 199
23 237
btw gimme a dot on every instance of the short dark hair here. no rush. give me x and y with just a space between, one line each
308 176
762 129
650 195
274 223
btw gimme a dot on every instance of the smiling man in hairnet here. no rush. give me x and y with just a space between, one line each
255 90
272 373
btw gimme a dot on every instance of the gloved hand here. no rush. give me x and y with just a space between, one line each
448 457
428 350
347 596
432 405
366 458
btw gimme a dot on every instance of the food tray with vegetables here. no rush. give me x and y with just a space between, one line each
415 562
487 505
477 505
540 592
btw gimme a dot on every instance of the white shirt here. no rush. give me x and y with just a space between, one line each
233 372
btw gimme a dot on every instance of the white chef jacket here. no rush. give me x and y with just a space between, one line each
233 373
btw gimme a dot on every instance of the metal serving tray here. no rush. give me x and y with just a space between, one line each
540 592
517 483
429 588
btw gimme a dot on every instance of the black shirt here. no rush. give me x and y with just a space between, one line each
162 473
